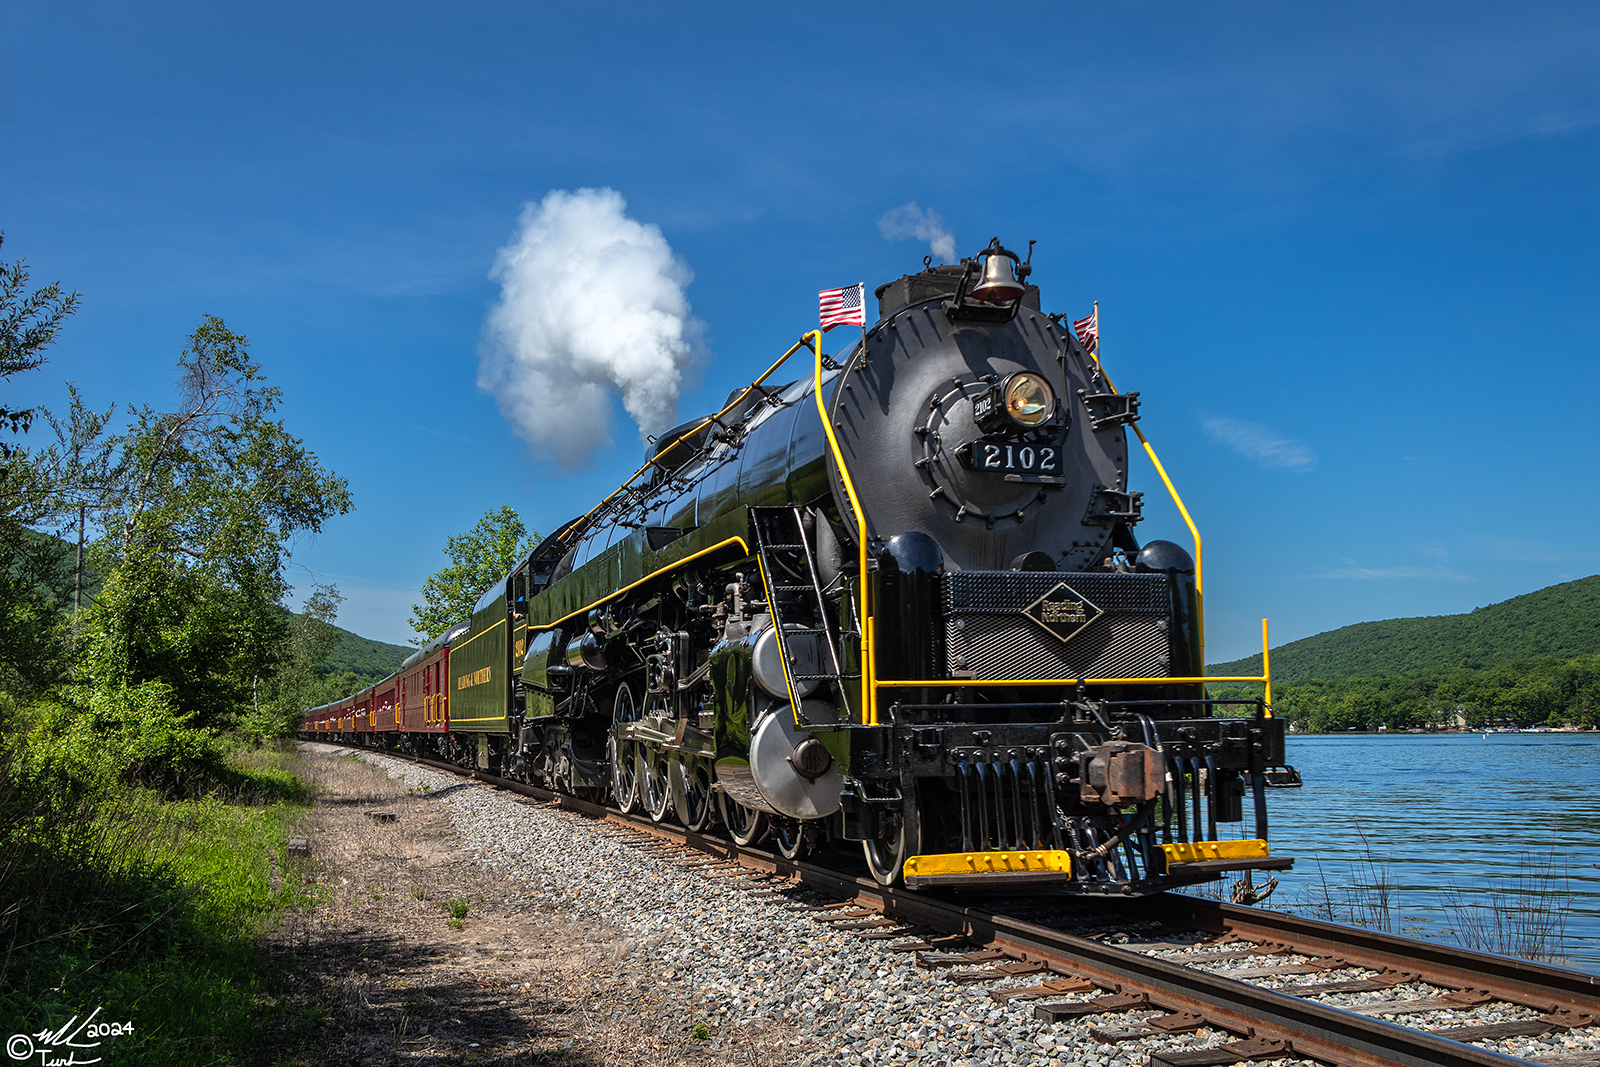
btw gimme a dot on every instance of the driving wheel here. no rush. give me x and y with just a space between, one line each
622 753
898 839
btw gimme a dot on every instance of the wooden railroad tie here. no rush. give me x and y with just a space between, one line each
1252 1048
845 916
1014 969
1590 1058
1178 1022
929 945
1054 987
1461 998
1159 946
1106 1005
1561 1020
900 930
956 959
1312 966
1384 979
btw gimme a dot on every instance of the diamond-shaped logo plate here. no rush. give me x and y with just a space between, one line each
1063 611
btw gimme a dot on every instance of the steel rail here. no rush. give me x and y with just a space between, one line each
1532 985
1310 1029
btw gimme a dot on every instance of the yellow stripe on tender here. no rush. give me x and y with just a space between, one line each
987 863
1193 851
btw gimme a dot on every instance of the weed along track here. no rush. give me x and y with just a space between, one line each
868 973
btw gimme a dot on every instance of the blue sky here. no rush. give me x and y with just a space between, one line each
1347 254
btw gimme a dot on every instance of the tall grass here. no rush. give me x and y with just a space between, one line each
1519 914
141 893
1522 914
1364 896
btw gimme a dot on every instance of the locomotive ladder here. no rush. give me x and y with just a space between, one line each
794 589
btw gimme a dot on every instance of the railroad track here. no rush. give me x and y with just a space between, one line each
1150 995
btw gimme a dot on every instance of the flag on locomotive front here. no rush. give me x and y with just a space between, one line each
1088 330
843 307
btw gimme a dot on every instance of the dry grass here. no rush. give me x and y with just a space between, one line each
414 954
1364 898
1521 914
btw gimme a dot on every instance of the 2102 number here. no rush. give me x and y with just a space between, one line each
1009 456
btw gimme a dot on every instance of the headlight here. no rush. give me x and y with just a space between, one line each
1028 400
1020 401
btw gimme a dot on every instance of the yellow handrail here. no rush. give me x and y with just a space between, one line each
652 576
578 524
870 684
1266 664
1172 491
869 705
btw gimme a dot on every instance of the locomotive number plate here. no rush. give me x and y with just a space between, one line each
1004 456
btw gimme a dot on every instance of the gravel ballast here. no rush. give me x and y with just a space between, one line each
741 959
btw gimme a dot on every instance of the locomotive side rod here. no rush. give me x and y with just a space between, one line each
1311 1029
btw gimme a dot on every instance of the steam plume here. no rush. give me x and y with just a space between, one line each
910 221
591 301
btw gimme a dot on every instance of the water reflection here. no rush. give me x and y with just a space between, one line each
1446 818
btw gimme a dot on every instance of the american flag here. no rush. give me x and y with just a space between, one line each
1088 330
843 307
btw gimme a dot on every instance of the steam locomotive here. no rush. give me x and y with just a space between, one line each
893 603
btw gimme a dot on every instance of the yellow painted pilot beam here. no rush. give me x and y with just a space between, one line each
988 863
1196 851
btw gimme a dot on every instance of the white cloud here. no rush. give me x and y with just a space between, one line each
1437 574
1257 442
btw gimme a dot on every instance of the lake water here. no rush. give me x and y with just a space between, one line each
1456 824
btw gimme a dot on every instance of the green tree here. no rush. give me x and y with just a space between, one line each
484 554
299 682
209 498
33 652
29 322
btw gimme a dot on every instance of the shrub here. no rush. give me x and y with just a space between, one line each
129 735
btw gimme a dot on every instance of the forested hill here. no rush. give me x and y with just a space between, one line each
1559 622
371 660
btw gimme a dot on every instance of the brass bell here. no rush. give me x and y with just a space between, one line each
1000 284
